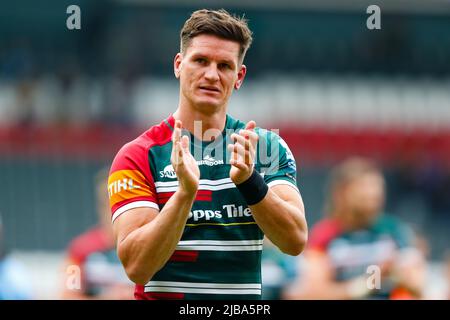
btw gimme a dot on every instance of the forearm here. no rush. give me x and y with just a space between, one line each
146 250
282 222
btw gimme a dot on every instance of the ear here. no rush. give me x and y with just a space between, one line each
177 64
241 75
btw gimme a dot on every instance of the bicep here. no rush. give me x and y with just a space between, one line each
289 194
132 220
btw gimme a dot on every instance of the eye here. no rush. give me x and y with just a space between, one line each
224 66
200 60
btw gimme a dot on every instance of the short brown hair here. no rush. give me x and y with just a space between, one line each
219 23
346 172
351 169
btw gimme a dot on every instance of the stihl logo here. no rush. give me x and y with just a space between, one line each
120 185
127 184
229 210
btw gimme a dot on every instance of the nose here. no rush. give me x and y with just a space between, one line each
211 73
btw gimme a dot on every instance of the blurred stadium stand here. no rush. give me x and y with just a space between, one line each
70 99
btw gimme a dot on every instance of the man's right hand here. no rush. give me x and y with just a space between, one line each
147 237
183 162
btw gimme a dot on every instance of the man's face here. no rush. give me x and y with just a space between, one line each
209 70
364 198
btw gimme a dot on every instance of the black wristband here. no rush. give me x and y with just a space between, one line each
254 189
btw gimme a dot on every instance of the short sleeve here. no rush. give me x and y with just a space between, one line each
275 159
130 183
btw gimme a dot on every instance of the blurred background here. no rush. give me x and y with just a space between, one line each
69 99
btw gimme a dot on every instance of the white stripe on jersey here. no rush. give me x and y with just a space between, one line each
132 205
203 288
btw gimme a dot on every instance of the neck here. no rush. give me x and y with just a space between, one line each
203 125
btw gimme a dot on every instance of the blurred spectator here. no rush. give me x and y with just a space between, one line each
358 246
14 283
278 270
102 275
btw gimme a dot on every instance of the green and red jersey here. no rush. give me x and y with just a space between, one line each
352 252
95 255
219 254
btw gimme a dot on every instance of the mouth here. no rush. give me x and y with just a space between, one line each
209 89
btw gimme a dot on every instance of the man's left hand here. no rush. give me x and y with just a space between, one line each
243 153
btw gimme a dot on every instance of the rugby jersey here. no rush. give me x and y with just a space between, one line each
352 252
219 253
100 267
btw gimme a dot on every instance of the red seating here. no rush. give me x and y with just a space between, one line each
315 145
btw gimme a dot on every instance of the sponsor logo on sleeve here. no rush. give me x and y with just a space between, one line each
127 184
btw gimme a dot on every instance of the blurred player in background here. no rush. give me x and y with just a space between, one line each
193 228
278 271
355 236
102 275
14 279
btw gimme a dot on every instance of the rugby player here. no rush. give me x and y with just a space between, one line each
193 197
358 251
91 256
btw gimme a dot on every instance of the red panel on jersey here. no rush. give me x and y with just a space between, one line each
130 177
139 294
202 195
184 256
